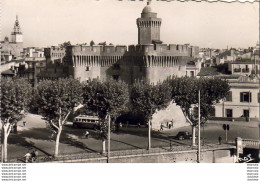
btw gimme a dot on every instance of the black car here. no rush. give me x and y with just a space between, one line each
183 135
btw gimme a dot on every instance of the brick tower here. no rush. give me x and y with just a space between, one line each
148 26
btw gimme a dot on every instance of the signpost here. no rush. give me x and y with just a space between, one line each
226 128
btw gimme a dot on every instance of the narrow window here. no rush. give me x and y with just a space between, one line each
229 113
245 97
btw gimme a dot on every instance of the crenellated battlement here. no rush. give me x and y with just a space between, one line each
155 49
97 49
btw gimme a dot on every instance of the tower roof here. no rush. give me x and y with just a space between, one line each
17 29
147 8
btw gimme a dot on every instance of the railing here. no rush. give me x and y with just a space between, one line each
250 143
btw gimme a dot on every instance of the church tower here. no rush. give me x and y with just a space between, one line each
148 26
16 35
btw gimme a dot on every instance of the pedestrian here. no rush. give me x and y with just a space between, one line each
219 140
15 128
139 125
120 125
161 127
24 123
86 134
33 156
117 127
36 154
27 157
170 125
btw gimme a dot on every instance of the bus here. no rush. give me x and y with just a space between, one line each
86 121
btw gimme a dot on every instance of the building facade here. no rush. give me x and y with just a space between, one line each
243 100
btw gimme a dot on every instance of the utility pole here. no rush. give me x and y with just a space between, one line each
250 98
199 132
34 75
108 140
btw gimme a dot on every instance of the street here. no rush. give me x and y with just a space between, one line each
35 135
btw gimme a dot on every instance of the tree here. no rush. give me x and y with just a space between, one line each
147 98
65 44
92 43
15 98
185 94
56 99
107 98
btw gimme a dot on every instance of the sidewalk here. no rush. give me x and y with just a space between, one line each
251 124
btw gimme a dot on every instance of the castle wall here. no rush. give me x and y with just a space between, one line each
82 74
155 74
140 62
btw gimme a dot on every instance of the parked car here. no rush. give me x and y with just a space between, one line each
183 135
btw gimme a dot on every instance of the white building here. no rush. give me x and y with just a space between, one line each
243 66
243 100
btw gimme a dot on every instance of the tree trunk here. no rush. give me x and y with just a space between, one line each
103 146
5 129
149 134
108 140
193 136
57 142
5 146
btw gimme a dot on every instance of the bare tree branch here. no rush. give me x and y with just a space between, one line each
65 118
9 129
186 116
51 122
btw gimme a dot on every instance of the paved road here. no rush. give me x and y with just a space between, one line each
36 135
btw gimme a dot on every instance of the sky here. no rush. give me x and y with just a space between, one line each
209 25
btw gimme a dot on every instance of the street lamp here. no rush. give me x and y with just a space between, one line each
198 159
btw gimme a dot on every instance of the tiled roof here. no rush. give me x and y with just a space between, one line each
7 72
244 61
224 54
208 71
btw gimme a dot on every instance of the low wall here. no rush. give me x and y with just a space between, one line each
188 156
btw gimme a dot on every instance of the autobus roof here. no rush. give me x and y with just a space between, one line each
87 117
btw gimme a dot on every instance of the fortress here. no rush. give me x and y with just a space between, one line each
148 60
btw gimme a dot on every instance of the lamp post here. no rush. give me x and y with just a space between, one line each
198 159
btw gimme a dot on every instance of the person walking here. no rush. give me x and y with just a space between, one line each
27 157
219 140
161 127
139 125
86 134
24 123
33 156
